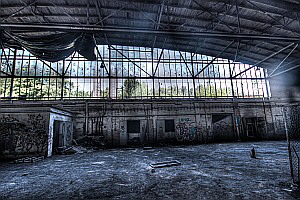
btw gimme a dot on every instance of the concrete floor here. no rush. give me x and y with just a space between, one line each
209 171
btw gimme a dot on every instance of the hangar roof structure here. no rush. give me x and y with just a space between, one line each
258 32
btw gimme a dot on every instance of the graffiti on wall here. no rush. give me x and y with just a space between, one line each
261 126
222 127
24 135
223 130
279 125
188 131
185 130
7 140
95 124
203 132
292 116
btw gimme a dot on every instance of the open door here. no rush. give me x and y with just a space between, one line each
222 125
62 135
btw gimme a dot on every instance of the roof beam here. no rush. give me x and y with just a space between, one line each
257 7
67 14
185 34
219 22
278 3
259 44
190 8
228 25
281 5
19 10
111 14
144 13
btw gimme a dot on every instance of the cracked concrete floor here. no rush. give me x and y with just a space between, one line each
208 171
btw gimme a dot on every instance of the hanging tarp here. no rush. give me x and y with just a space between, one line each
55 47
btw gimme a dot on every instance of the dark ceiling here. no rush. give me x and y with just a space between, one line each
261 32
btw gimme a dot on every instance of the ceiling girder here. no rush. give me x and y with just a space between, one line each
185 34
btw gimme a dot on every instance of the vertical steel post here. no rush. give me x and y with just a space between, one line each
13 74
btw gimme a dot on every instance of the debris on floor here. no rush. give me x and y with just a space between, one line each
29 159
73 150
130 149
148 148
252 153
91 141
165 164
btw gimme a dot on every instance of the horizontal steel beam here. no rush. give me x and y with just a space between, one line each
114 30
131 77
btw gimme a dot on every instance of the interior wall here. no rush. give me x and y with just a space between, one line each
28 130
23 134
105 123
194 121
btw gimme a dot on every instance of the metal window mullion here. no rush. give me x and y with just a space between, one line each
49 81
205 80
193 71
176 80
267 83
56 83
97 75
261 83
242 83
62 81
231 81
42 80
257 82
5 83
248 91
27 79
225 76
34 81
236 83
12 72
91 69
77 79
216 92
164 70
122 92
84 78
146 53
170 71
219 80
153 80
187 80
253 88
70 80
21 72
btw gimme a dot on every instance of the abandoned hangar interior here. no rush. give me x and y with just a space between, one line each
157 73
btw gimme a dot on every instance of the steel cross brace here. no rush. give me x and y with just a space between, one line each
161 53
284 71
231 43
284 60
274 54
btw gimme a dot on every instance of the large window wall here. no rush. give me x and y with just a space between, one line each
125 72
